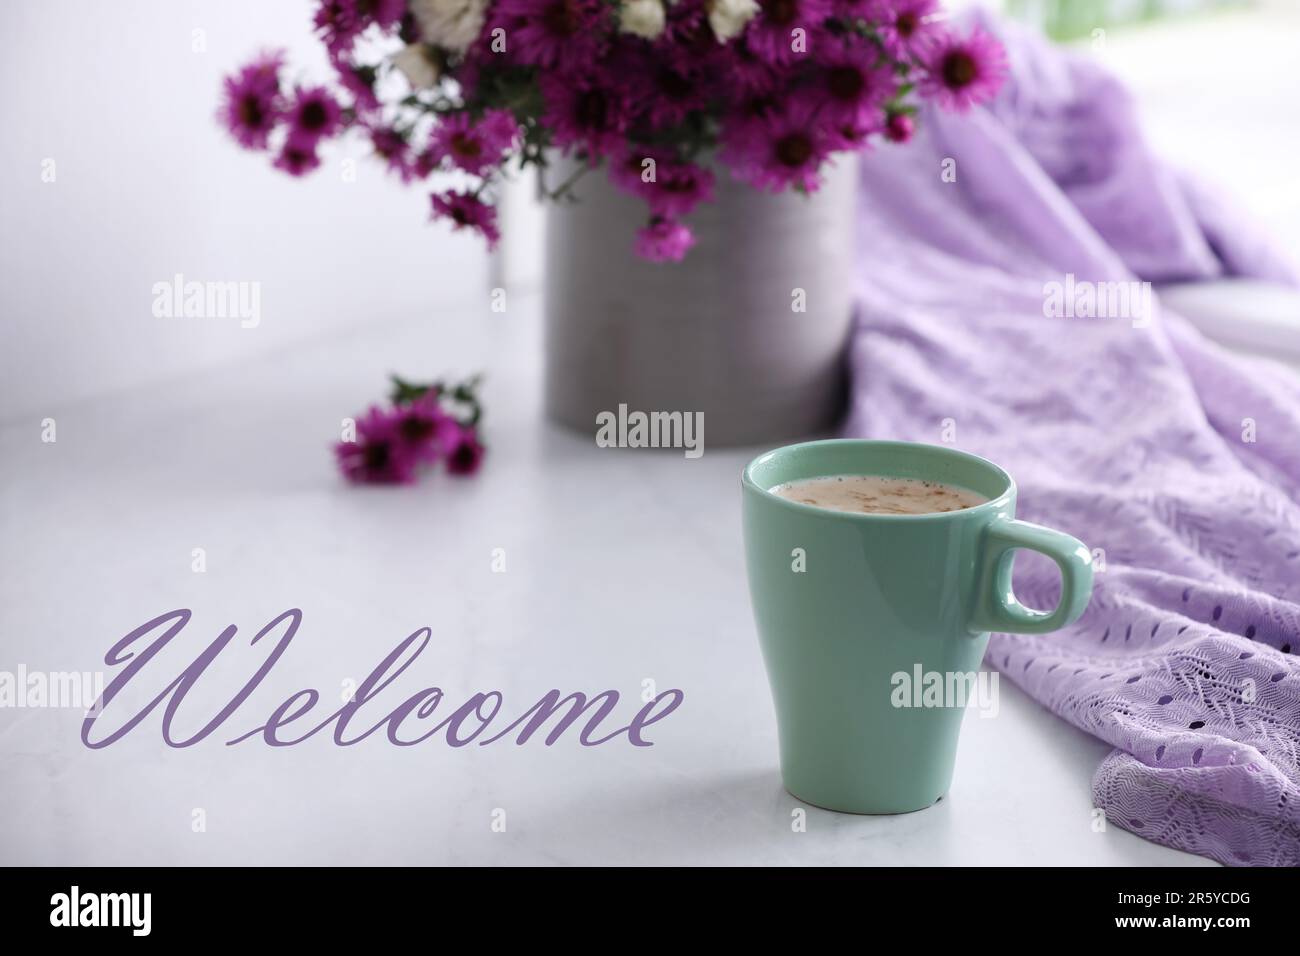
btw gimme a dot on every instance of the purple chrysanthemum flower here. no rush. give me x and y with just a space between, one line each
313 115
771 36
664 240
907 28
360 82
379 455
743 73
964 71
334 22
467 211
850 135
783 149
899 127
473 145
554 34
464 452
850 90
392 147
340 22
660 92
587 112
425 429
425 163
252 105
297 158
675 188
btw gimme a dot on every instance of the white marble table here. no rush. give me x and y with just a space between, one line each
621 567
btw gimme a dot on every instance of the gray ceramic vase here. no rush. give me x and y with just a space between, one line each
717 333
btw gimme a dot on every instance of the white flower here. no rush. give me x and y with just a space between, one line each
644 18
729 17
418 65
450 24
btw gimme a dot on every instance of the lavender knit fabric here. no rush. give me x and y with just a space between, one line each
1179 461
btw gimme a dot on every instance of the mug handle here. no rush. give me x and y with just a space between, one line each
996 607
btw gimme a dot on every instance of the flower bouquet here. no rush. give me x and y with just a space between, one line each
659 92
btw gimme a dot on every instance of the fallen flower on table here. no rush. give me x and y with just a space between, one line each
421 426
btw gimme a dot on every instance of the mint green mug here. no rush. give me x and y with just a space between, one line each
845 603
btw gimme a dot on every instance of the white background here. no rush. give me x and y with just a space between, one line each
149 185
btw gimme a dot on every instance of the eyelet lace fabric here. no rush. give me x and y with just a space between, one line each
1178 463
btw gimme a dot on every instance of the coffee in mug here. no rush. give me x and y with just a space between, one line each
858 574
879 494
